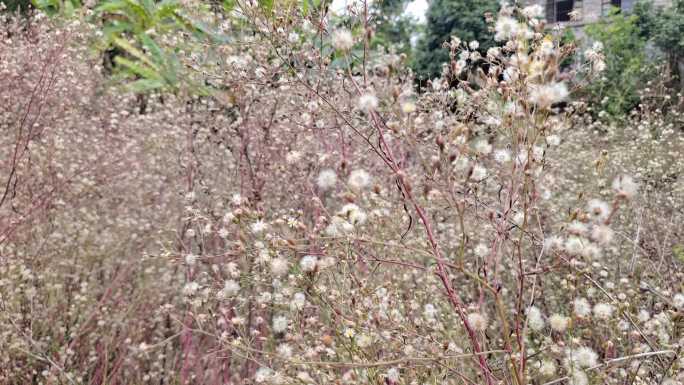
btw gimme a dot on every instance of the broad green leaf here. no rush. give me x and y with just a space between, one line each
135 52
146 85
228 5
138 69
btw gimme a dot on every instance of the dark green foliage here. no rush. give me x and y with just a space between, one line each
16 5
445 18
665 28
627 67
392 27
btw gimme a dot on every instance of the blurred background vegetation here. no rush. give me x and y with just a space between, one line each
639 45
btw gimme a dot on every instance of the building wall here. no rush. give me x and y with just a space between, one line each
591 11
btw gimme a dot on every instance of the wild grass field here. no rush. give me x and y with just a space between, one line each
253 192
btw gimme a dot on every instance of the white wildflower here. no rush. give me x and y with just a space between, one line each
558 322
230 288
533 11
190 288
547 368
429 311
535 319
481 250
298 301
408 107
577 228
602 234
190 259
477 321
581 357
368 102
259 226
598 210
581 307
284 351
553 140
574 246
358 179
678 301
342 39
482 147
262 375
502 156
308 263
578 377
279 266
392 375
643 315
353 213
625 186
603 311
364 340
506 28
546 95
479 173
279 324
326 179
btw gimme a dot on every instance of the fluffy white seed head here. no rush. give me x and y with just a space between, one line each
580 357
308 263
598 210
581 307
279 266
558 322
368 102
678 301
535 320
326 179
547 368
578 377
342 39
230 288
602 234
279 324
359 179
603 311
625 186
477 321
393 375
546 95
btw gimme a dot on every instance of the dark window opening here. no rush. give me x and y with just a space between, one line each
616 3
563 9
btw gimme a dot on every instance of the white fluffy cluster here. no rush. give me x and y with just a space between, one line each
342 39
477 321
326 179
280 324
625 186
359 179
308 263
535 320
368 102
546 95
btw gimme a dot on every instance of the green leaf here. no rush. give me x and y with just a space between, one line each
146 85
111 7
135 52
266 5
154 49
138 69
228 5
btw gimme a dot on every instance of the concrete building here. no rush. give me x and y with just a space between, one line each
589 11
